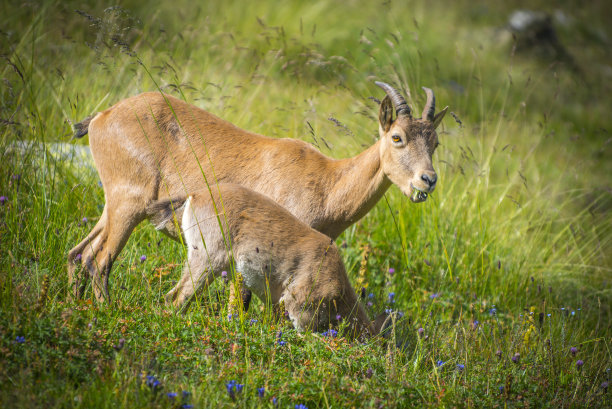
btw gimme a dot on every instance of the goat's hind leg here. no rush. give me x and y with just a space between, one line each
197 276
77 280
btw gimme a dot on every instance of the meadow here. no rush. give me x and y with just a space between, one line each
501 282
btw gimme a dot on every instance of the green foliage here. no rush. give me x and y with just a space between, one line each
511 255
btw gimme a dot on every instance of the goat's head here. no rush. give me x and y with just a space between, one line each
407 143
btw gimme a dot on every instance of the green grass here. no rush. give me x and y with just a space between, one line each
520 221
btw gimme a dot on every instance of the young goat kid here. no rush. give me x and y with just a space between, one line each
278 256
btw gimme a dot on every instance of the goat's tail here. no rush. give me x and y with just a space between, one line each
163 213
81 128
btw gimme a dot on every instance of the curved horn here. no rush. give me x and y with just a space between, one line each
401 107
430 107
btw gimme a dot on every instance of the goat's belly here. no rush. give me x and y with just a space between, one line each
255 276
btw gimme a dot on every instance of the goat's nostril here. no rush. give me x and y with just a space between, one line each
430 180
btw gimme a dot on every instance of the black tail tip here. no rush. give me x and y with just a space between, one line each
81 128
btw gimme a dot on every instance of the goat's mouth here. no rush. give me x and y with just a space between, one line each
417 196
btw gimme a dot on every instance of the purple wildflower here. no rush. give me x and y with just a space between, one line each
391 270
119 345
369 304
224 274
281 343
460 367
338 317
493 311
261 391
172 395
604 385
253 321
77 258
434 295
391 298
84 220
186 406
475 324
3 199
573 351
369 373
421 331
516 358
498 353
143 258
579 363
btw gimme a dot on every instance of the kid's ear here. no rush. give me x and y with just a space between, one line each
438 118
385 115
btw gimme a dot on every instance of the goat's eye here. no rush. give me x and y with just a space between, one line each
396 138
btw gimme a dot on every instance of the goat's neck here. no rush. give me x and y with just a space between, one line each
358 184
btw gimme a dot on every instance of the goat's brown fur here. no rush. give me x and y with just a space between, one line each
279 257
153 146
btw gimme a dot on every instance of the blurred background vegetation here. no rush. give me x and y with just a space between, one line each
521 218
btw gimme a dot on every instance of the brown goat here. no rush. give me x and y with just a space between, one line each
279 257
153 146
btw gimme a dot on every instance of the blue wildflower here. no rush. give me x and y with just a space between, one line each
261 391
493 311
172 395
440 363
231 387
281 343
391 297
434 295
186 406
460 367
388 311
371 295
338 317
253 321
143 258
331 333
3 199
475 324
152 382
301 406
369 304
239 387
20 340
275 401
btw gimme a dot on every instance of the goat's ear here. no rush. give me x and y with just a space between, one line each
385 115
438 118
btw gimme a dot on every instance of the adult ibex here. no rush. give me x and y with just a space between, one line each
280 258
153 146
